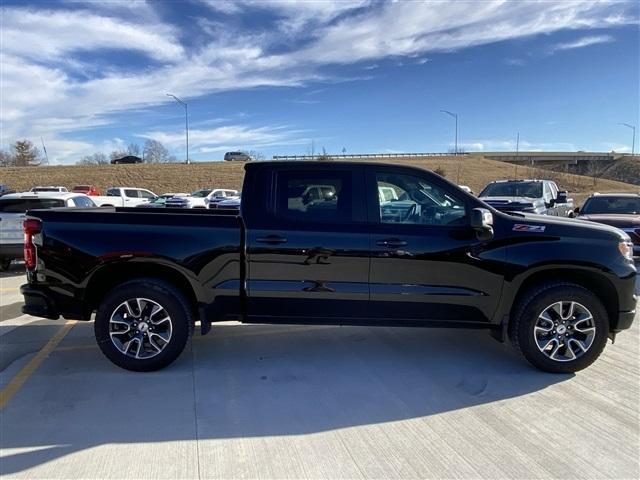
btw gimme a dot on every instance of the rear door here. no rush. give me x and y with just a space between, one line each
308 245
427 264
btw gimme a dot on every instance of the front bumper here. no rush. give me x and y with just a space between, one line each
38 303
13 251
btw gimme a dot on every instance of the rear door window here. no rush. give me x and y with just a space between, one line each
83 202
132 193
315 197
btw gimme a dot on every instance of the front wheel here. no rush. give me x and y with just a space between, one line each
560 327
143 325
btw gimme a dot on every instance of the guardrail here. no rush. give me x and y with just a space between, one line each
366 155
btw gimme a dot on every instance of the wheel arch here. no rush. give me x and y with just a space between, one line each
103 280
595 282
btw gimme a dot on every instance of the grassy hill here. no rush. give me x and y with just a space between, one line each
474 171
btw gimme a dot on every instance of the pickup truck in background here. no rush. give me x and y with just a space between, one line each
202 198
124 197
13 209
328 243
531 196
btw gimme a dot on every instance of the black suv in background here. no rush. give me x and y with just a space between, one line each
621 210
531 196
239 156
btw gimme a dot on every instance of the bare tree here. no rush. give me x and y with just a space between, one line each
117 154
6 159
156 152
255 155
26 154
133 149
97 158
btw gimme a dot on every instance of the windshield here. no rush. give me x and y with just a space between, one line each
21 205
612 205
513 189
201 193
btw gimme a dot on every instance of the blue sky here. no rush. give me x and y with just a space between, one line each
278 77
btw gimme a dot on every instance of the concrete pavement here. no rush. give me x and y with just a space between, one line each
315 402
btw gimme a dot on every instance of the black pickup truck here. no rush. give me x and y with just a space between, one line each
332 243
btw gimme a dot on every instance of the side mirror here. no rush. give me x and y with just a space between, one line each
482 222
551 203
562 197
576 210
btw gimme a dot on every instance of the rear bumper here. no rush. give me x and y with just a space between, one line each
11 250
38 303
45 302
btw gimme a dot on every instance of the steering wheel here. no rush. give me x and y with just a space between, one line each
410 212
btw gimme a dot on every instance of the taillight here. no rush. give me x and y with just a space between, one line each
31 227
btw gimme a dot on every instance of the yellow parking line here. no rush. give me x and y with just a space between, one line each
23 375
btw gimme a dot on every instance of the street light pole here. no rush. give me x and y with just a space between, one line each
454 115
633 142
186 120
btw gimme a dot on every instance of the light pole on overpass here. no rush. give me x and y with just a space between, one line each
186 120
633 142
454 115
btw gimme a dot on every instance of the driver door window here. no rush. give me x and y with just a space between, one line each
408 199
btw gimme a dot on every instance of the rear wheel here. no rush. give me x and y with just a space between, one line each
143 325
560 327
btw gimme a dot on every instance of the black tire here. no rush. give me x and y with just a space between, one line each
5 263
532 305
173 303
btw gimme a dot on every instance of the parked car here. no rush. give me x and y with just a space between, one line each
161 200
557 287
90 190
126 159
124 197
621 210
49 189
4 190
230 203
202 198
532 196
239 156
12 213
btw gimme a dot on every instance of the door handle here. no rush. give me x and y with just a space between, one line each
271 239
391 243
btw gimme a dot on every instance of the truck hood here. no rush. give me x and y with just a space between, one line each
563 226
513 203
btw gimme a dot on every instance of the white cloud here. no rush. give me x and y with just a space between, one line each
582 42
42 34
229 137
498 145
49 90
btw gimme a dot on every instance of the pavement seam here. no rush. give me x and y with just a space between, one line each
7 393
195 408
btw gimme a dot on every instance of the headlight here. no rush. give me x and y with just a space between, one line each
626 249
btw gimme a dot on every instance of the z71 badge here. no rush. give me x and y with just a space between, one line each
521 227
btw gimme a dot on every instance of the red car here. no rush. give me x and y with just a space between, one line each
86 189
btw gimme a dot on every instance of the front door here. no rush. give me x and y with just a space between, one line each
427 263
308 255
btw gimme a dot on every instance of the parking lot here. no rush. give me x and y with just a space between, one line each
309 402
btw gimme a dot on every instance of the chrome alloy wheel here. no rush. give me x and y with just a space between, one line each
140 328
564 331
